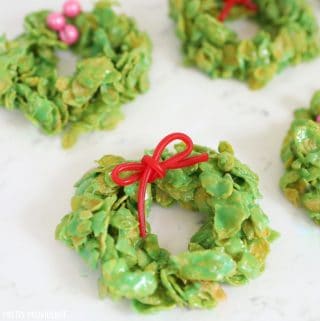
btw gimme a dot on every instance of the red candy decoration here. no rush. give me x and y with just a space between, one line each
69 34
229 4
152 168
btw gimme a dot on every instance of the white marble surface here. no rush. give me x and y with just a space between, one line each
40 276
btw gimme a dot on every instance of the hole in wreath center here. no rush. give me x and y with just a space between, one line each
174 227
244 28
67 62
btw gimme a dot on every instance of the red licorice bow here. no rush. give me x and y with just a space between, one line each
229 4
152 168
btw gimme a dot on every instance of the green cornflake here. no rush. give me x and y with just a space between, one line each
230 247
113 69
300 154
289 35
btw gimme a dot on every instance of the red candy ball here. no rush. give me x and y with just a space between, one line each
69 34
56 21
71 8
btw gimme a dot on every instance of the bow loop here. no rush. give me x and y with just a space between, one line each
229 4
135 170
152 168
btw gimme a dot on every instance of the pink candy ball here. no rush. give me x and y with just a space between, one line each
56 21
318 119
71 8
69 34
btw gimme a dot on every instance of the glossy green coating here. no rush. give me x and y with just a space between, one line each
230 247
300 154
114 60
289 35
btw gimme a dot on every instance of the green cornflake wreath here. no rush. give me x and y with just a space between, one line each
301 156
289 35
113 69
230 247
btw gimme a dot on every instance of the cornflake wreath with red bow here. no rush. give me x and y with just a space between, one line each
107 225
300 153
289 35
